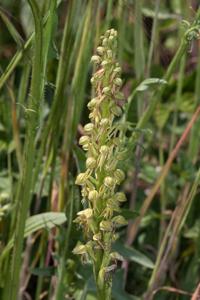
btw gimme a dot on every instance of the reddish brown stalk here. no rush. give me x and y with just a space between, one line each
196 295
135 226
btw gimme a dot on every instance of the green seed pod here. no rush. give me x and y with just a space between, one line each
81 178
93 195
80 249
106 226
88 128
120 197
96 59
90 163
119 176
109 182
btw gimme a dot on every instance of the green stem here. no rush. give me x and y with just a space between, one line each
29 153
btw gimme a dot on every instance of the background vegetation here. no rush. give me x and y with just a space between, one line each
45 73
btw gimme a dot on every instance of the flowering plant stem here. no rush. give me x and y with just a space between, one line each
104 145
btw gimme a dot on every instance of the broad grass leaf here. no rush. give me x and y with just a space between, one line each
34 223
133 255
149 83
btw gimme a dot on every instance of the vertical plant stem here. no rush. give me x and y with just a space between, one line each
29 153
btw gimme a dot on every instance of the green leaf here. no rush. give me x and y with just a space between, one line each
133 255
128 214
150 82
118 290
11 28
46 220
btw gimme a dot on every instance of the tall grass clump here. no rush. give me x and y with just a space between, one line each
103 143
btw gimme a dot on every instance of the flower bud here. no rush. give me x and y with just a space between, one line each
118 81
116 110
93 195
104 122
105 42
104 63
90 163
109 182
119 220
80 249
106 226
104 149
100 50
117 70
120 197
96 59
87 213
92 103
97 237
88 128
106 90
109 53
119 176
81 178
84 140
116 256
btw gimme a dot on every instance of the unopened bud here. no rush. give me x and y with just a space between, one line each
109 182
119 220
79 249
88 128
90 163
92 103
81 178
118 81
96 59
120 197
84 140
106 226
93 195
100 50
119 176
106 90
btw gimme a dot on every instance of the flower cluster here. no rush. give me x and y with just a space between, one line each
102 142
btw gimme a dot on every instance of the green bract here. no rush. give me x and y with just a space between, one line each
102 174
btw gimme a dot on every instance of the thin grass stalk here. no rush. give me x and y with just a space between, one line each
162 176
29 153
60 287
180 52
177 101
58 101
153 38
15 126
179 219
194 142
